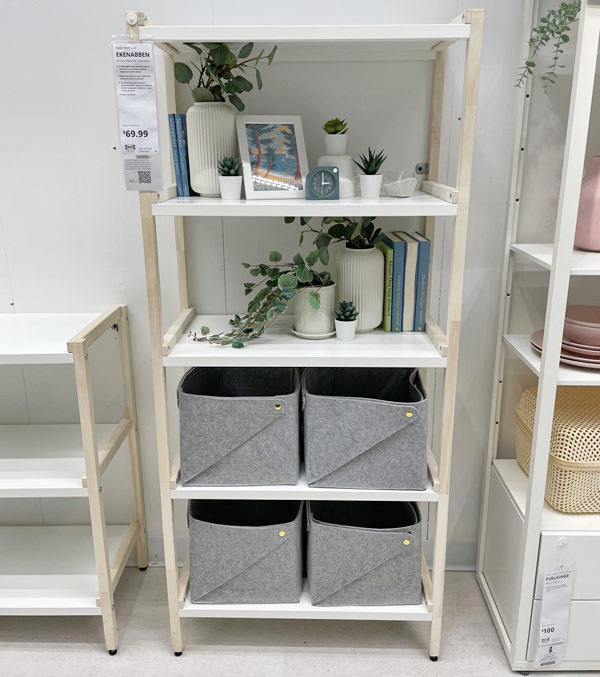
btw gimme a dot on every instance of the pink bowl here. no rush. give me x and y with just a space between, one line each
587 335
588 316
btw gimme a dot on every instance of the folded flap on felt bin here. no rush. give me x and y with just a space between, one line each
223 426
228 551
337 570
346 436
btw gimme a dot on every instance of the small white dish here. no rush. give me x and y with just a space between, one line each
313 337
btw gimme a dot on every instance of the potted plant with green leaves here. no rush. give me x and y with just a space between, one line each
217 86
281 282
370 179
336 135
230 178
345 321
360 264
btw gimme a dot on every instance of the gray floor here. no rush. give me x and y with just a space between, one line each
68 646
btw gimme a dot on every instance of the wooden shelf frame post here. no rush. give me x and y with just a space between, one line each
465 162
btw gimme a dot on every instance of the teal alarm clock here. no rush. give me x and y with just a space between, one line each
323 183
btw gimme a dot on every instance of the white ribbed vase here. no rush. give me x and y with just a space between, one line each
587 233
309 320
211 136
360 280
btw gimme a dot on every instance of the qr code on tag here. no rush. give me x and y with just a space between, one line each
144 177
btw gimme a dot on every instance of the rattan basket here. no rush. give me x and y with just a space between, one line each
573 480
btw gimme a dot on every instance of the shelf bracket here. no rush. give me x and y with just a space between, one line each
441 191
175 468
437 337
432 467
177 329
184 581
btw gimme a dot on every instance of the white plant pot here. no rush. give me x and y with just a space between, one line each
309 320
211 136
370 185
360 280
346 171
344 330
335 144
231 187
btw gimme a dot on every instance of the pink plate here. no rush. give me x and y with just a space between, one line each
587 316
566 356
582 348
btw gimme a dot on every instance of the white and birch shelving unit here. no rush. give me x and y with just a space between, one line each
521 536
436 349
67 570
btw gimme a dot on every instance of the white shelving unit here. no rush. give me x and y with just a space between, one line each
437 349
521 536
67 570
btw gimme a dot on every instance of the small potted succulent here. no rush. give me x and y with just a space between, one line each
370 179
335 136
345 321
230 178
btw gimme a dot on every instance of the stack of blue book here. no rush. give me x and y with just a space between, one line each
406 280
180 154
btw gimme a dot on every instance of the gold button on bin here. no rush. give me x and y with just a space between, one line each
278 406
409 414
282 533
406 541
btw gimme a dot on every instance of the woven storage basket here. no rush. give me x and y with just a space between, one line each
573 480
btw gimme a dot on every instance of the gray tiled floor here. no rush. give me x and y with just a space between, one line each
65 647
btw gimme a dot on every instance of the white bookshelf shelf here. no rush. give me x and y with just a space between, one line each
44 460
420 204
567 376
515 481
302 492
582 263
39 338
51 571
278 347
305 610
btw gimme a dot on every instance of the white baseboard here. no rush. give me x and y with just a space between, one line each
460 556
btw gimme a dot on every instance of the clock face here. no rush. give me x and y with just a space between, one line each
323 182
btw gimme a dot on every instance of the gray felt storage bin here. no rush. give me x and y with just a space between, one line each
239 425
365 428
245 552
364 553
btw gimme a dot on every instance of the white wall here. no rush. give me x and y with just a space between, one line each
70 238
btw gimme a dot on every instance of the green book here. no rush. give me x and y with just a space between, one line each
388 284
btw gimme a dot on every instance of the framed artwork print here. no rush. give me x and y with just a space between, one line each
273 156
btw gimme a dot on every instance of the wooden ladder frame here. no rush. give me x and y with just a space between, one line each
446 343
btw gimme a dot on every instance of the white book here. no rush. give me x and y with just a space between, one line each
410 276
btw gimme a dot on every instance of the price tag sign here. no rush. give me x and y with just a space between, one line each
554 620
138 119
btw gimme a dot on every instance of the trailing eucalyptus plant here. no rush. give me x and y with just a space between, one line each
278 286
555 26
217 80
356 233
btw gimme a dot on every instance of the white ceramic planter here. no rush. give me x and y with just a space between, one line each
360 280
310 321
370 185
231 187
345 331
211 136
335 144
346 172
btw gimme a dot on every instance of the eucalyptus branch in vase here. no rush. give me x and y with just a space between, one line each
555 26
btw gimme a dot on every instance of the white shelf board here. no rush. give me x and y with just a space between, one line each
44 460
278 347
302 492
50 571
304 609
321 42
567 376
582 263
420 204
515 481
39 338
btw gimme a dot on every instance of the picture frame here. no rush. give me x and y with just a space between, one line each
273 156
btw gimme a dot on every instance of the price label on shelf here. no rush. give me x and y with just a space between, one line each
138 119
554 616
